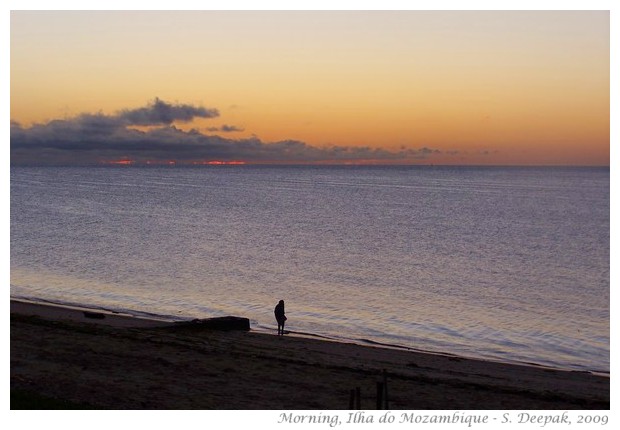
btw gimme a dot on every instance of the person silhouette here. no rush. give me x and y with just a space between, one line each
280 317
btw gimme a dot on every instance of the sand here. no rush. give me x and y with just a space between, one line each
123 362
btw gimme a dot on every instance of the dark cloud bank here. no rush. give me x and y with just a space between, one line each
91 139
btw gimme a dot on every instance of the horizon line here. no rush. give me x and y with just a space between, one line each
308 164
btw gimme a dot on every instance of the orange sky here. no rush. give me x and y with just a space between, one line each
514 87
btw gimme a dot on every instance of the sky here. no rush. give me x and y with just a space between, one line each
359 87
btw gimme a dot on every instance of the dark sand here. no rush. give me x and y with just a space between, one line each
121 362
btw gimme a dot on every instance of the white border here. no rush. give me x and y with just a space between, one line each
258 419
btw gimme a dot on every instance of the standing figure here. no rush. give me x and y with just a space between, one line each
280 317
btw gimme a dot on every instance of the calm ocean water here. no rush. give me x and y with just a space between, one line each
503 263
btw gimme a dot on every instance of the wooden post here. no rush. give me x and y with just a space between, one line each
358 399
385 390
351 398
380 395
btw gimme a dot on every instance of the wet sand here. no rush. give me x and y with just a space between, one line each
122 362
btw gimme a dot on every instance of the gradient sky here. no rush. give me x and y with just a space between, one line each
443 87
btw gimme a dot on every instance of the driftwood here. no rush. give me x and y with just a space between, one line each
94 315
219 323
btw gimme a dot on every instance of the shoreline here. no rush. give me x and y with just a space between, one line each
65 312
49 309
125 362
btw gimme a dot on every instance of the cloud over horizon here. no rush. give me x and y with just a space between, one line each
226 128
161 113
90 139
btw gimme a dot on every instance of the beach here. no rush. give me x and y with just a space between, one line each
111 361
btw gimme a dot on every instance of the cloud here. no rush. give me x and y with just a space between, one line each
160 113
90 139
230 128
226 128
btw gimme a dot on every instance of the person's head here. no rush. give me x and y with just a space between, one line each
281 302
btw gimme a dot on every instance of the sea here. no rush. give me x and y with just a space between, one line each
510 264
